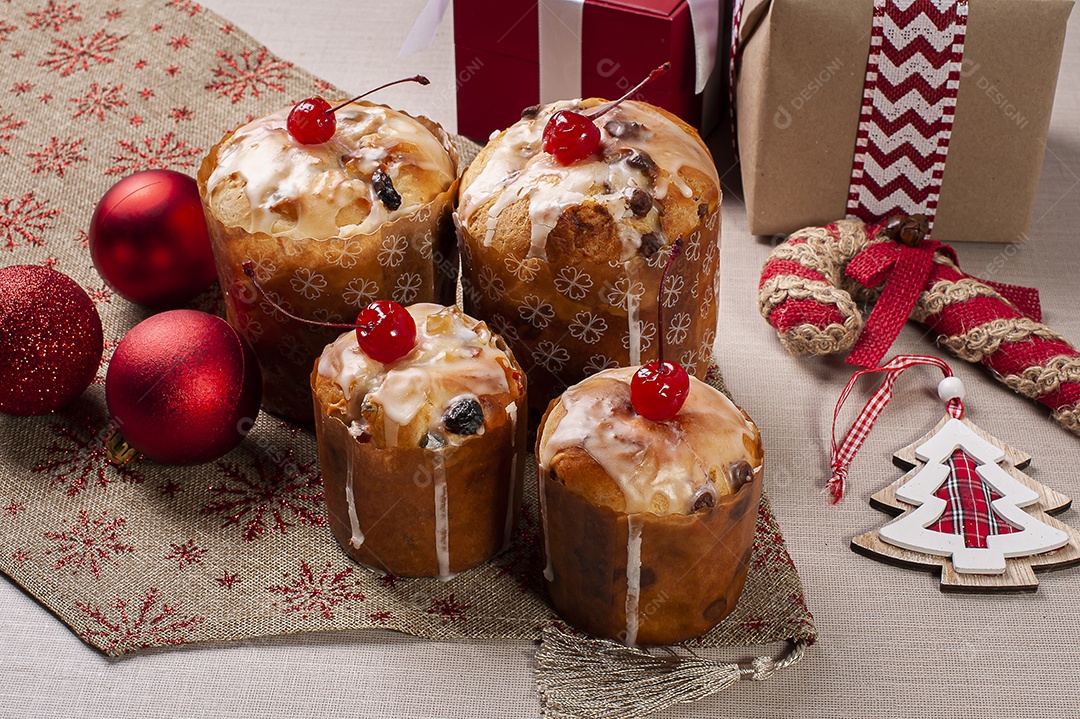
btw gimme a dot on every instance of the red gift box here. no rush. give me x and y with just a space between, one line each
498 57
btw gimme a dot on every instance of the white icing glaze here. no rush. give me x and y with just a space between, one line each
633 319
659 466
633 577
318 180
442 514
511 412
518 168
357 538
455 356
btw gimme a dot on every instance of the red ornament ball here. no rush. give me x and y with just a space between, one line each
50 340
149 242
183 387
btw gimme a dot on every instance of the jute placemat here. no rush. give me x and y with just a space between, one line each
148 555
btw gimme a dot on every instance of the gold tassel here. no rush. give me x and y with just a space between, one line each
584 677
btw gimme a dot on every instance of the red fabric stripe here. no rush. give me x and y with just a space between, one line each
960 317
793 313
774 268
967 504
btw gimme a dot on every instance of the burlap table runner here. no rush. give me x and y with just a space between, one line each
148 555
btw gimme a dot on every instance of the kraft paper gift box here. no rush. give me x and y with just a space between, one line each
801 72
499 55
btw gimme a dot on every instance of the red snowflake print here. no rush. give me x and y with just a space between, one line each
16 54
20 87
388 580
292 429
100 295
136 120
21 555
113 15
322 85
90 541
179 42
8 126
50 262
45 97
755 624
156 28
57 156
228 29
127 625
5 30
179 114
77 459
172 71
68 56
267 498
254 70
449 610
307 592
53 17
227 580
140 64
152 153
23 220
146 93
380 617
185 6
98 101
186 553
14 508
82 238
522 559
170 489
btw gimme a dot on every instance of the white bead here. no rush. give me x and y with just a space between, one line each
950 388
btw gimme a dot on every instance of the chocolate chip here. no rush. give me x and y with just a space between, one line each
530 112
640 202
702 209
618 128
384 188
706 499
464 417
650 243
740 473
641 161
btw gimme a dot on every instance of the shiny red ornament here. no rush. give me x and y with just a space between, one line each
149 242
183 387
385 331
50 340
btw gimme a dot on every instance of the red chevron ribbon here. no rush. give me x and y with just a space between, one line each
909 101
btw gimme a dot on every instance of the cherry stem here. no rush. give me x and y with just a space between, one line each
676 250
415 78
652 76
249 270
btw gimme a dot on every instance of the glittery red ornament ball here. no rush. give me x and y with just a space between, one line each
183 387
50 340
148 239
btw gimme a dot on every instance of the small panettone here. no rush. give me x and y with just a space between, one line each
422 458
564 260
329 227
648 526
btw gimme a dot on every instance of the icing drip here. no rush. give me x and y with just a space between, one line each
454 356
518 169
633 321
315 181
633 577
442 515
354 520
548 573
511 412
659 466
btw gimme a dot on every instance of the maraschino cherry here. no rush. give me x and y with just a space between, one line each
571 136
312 121
659 389
385 330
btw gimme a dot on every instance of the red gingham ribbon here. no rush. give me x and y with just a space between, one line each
844 453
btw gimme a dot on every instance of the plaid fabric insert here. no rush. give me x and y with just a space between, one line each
967 504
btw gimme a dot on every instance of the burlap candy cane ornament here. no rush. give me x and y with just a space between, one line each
810 286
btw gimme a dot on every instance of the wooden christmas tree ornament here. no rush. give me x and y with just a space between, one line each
964 507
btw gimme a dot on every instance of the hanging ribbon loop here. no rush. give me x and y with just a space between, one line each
844 452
